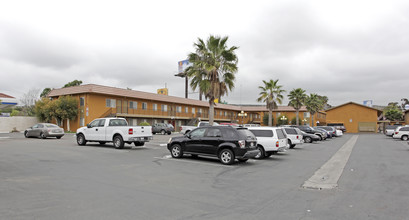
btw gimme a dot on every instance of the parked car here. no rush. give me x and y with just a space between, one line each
338 133
328 134
309 138
339 126
331 130
390 129
114 130
44 130
269 140
225 142
162 128
401 133
294 136
310 130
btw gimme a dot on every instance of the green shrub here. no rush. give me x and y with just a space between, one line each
144 124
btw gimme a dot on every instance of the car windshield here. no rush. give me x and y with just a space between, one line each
51 126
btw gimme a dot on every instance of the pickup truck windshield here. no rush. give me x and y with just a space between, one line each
117 122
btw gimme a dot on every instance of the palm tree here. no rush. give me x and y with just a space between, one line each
271 94
213 68
313 103
297 98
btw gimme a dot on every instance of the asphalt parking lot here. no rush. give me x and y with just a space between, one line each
57 179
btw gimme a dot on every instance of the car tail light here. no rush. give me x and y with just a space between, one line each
130 131
242 143
277 144
297 136
396 132
181 128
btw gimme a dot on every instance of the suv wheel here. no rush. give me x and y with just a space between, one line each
261 152
308 140
226 156
176 151
404 137
291 145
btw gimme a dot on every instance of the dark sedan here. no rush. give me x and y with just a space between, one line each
309 138
44 130
225 142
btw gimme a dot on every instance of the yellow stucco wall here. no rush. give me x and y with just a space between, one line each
407 117
351 114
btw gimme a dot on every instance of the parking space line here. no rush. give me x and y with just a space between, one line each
170 158
327 176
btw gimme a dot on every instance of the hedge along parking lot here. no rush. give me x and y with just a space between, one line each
50 178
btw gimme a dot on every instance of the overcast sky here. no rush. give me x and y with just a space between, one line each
348 50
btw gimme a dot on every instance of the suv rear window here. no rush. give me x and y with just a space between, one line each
280 134
245 133
263 133
404 129
290 130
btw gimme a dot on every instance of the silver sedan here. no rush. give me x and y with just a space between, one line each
44 130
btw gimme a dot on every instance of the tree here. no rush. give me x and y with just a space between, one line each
271 94
28 100
313 104
65 107
73 83
393 112
215 64
265 119
45 92
297 98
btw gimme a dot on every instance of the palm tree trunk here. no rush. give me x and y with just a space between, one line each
200 95
270 117
312 120
296 116
211 111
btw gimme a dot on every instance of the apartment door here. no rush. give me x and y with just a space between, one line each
118 106
125 107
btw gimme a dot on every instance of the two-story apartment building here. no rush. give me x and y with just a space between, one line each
96 101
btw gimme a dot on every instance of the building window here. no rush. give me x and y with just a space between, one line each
144 105
133 105
155 107
221 113
193 110
199 110
186 109
179 109
82 101
111 103
164 108
306 114
225 113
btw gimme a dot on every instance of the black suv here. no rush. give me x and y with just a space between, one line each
225 142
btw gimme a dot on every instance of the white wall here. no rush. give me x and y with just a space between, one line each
20 123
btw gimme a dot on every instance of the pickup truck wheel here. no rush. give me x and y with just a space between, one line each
139 143
81 139
176 151
118 142
102 142
261 153
404 138
163 132
226 156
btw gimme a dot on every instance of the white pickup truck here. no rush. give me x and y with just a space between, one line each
185 129
114 130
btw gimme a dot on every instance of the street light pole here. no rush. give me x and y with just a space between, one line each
242 114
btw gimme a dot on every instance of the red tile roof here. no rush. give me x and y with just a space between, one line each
2 95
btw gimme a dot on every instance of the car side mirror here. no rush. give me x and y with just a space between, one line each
89 126
188 136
